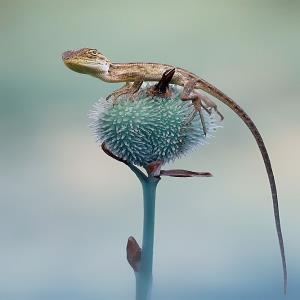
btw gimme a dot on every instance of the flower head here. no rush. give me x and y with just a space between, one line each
150 128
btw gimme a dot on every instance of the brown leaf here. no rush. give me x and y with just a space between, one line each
154 168
184 173
109 153
133 253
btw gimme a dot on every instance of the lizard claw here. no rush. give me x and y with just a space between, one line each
114 99
220 115
202 122
132 96
108 97
209 110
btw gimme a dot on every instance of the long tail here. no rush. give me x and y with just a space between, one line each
210 89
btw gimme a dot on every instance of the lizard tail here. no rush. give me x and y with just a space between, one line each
213 91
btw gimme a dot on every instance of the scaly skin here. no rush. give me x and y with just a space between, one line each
91 62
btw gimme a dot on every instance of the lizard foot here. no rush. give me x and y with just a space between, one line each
198 106
129 94
119 92
193 115
208 105
132 96
113 97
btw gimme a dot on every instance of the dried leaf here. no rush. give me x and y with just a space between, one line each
184 173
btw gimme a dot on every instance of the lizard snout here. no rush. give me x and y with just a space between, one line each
67 54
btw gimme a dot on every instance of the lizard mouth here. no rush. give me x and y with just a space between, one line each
67 55
79 66
84 64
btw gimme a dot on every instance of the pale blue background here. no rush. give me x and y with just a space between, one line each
66 209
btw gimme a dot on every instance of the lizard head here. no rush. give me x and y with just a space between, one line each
86 61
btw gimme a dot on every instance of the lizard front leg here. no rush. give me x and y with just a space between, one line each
130 88
121 91
135 87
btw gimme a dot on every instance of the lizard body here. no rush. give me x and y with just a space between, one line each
90 61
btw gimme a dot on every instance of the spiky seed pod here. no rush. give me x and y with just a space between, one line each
150 128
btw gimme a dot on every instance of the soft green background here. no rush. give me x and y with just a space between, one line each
67 209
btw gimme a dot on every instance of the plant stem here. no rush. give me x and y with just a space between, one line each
144 275
141 260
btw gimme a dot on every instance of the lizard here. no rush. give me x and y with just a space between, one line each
92 62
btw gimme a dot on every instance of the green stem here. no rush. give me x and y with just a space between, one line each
143 274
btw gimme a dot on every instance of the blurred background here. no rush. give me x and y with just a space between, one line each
66 209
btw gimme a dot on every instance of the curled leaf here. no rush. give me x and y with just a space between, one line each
109 153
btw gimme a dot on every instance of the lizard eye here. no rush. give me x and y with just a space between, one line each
93 52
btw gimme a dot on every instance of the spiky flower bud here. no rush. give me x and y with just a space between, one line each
150 128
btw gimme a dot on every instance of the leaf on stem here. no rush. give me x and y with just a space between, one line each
184 173
133 253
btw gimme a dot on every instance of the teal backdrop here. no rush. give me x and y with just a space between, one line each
66 209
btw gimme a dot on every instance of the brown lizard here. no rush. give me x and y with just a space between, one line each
91 62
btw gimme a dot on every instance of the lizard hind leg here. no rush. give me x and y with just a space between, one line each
209 105
189 93
198 109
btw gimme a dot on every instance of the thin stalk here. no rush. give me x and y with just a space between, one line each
144 274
